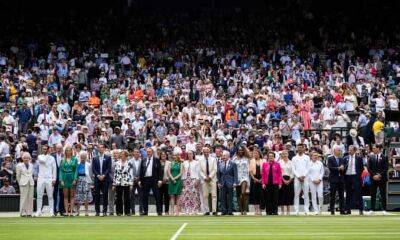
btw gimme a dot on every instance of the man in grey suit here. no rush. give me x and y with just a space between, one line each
136 162
227 180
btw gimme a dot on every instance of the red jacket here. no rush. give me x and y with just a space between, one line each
276 173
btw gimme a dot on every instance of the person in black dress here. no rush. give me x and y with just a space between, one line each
286 193
255 187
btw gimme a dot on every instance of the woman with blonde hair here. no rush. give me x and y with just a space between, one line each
175 185
84 183
123 182
315 175
255 173
68 177
286 193
26 185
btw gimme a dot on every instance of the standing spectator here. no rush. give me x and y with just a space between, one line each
271 183
136 161
58 195
353 181
286 193
101 168
316 175
84 184
46 180
123 181
378 168
255 173
24 115
68 177
336 165
190 198
4 148
242 162
26 185
208 177
301 167
151 177
175 185
227 180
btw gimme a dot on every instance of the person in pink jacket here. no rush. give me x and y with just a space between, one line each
271 179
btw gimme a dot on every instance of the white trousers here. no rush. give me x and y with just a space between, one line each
317 191
26 199
298 186
44 184
111 199
209 187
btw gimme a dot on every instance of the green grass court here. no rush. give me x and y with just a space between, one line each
248 227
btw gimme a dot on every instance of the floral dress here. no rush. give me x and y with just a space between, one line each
243 171
190 198
83 191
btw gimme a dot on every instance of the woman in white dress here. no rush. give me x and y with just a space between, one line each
242 162
316 173
286 193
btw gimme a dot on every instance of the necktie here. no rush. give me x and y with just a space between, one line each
226 165
377 158
101 165
337 161
207 167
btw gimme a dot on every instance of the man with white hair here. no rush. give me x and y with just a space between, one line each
227 180
208 178
336 165
301 167
46 180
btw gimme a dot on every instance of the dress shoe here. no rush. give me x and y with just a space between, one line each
230 214
348 212
159 214
215 214
207 214
111 214
361 213
223 214
143 214
332 213
128 215
342 213
97 214
104 214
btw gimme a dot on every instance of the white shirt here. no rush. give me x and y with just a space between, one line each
316 171
193 168
301 165
351 168
4 149
287 168
149 169
47 168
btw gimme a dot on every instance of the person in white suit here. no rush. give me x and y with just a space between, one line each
315 175
208 178
46 179
301 166
26 185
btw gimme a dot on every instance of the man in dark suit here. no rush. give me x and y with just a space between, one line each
101 168
378 165
227 180
353 183
58 195
336 165
151 176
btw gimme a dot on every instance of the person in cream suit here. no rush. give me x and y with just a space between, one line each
46 180
26 185
208 178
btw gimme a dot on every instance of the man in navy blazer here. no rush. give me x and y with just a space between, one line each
353 183
101 168
227 180
336 165
378 165
58 195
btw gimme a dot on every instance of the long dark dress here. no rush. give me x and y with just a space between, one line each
286 193
256 188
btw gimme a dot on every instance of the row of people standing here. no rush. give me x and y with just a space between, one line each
186 185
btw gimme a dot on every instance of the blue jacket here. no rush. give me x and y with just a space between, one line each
227 176
24 115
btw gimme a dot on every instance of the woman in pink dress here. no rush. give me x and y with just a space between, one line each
305 113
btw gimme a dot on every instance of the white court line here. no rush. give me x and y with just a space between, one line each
286 234
178 232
